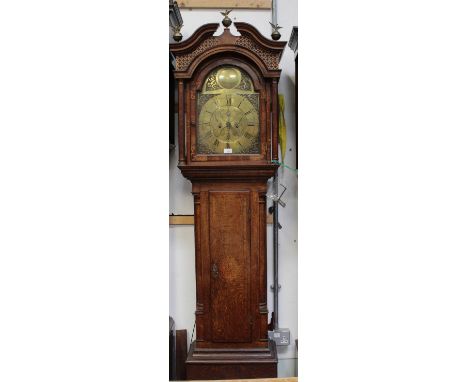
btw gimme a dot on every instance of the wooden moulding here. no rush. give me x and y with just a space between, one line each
236 172
231 363
189 219
255 4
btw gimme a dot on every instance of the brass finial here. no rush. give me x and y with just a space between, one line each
177 36
227 21
275 35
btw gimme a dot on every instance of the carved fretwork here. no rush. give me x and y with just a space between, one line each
183 61
271 59
203 44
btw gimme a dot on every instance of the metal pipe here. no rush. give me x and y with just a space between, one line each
274 20
274 12
275 252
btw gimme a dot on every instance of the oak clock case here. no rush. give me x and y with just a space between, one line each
227 117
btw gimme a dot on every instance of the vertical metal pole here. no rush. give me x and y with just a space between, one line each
274 20
275 252
273 12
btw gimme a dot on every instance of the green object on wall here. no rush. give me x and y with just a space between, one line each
281 127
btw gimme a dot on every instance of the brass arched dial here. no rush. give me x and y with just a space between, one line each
228 114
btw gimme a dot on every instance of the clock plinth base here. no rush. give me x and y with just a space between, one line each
212 364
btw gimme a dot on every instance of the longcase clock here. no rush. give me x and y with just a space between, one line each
228 137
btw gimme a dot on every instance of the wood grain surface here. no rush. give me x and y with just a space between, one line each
230 255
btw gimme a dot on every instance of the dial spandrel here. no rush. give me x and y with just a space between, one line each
228 114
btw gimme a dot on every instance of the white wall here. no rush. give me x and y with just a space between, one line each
182 253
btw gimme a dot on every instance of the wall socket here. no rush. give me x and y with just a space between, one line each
280 336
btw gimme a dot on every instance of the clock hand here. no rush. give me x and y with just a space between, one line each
219 122
228 122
